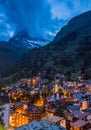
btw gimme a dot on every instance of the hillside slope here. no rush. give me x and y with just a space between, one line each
17 46
70 50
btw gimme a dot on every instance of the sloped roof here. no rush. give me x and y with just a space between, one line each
79 123
53 118
74 107
42 125
79 114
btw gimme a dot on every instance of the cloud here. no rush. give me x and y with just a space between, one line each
32 15
66 9
5 27
42 18
60 9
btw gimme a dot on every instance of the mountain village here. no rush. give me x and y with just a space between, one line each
65 104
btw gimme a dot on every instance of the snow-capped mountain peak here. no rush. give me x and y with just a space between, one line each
23 39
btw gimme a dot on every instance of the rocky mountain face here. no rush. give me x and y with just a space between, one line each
17 46
69 52
23 39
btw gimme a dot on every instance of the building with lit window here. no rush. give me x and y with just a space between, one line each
24 114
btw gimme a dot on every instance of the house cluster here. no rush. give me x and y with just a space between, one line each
61 102
22 113
41 125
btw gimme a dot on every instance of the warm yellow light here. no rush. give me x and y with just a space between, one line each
16 120
40 102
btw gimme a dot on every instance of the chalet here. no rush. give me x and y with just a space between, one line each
75 115
79 125
34 113
56 120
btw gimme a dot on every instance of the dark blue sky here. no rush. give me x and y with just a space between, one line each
42 18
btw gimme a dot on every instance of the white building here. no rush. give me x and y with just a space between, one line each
5 114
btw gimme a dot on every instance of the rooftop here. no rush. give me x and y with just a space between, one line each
79 123
54 119
79 114
42 125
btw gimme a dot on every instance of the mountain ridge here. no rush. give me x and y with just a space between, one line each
17 46
68 54
24 39
74 24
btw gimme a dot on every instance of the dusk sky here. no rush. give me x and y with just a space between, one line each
43 18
